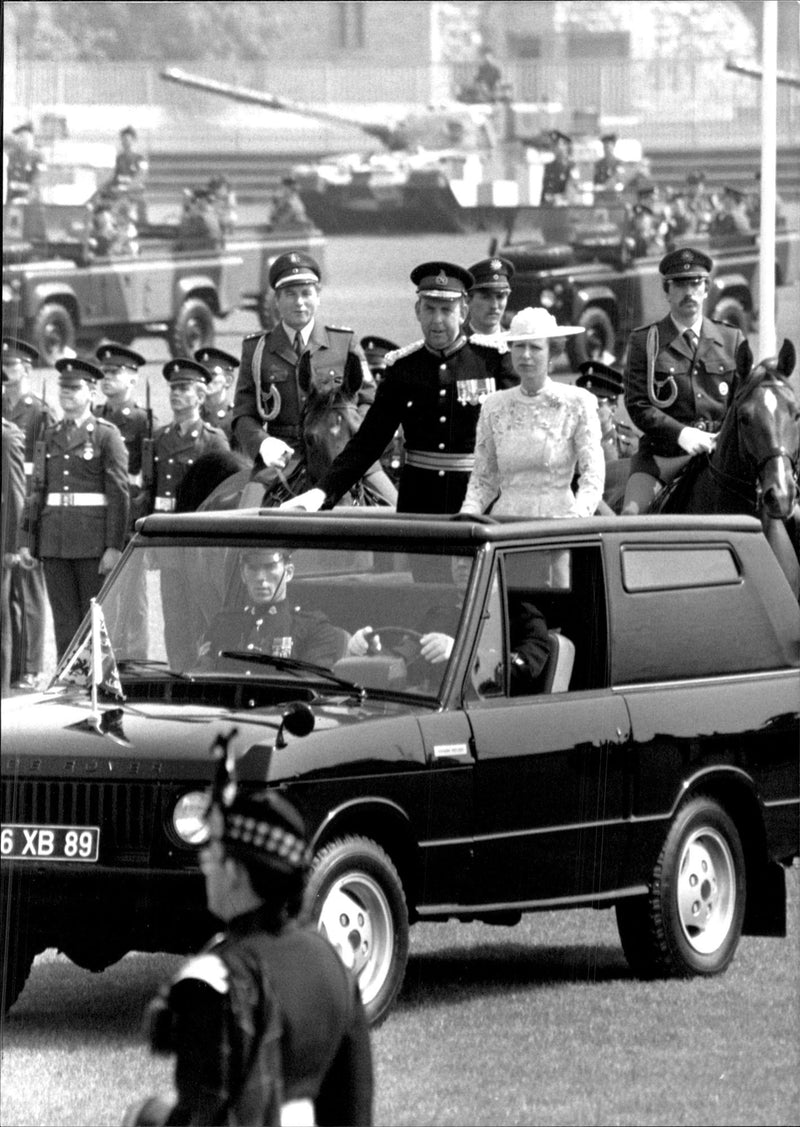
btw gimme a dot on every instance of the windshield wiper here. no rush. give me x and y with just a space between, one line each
130 663
294 665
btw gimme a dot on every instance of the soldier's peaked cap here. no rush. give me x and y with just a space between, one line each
15 349
119 355
685 263
72 368
216 358
557 135
375 349
183 370
612 138
294 269
600 379
492 274
442 279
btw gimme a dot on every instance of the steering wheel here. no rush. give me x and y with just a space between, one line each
401 634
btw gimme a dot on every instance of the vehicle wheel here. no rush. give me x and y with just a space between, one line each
731 310
192 328
355 898
597 342
690 922
17 960
53 331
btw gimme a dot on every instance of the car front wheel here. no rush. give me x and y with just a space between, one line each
355 898
691 921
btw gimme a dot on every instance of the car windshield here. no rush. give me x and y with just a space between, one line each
302 613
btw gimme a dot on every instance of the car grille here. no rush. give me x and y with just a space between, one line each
125 812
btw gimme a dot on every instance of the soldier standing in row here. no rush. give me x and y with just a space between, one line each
218 409
277 366
488 297
120 367
25 166
608 172
78 526
560 174
677 380
433 389
27 593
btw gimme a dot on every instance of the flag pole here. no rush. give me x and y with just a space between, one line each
769 164
97 655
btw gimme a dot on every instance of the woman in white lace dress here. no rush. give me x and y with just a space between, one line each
532 439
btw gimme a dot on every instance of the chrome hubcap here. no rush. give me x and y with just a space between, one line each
706 891
357 920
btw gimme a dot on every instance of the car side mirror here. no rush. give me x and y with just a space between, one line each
297 720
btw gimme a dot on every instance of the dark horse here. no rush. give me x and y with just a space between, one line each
753 467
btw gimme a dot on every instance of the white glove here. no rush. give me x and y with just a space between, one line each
362 641
274 452
695 441
26 560
436 648
311 501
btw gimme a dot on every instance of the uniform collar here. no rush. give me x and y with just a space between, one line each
446 353
305 333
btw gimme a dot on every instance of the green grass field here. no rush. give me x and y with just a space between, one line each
537 1024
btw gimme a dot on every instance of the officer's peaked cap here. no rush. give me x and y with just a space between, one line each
492 274
119 355
685 263
182 370
15 349
294 269
216 358
442 279
72 368
612 138
375 349
600 379
557 135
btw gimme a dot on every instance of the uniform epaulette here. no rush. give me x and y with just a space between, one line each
727 324
489 340
398 353
339 329
641 328
255 336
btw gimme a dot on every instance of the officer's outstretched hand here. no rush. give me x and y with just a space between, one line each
275 452
436 648
311 501
109 560
696 441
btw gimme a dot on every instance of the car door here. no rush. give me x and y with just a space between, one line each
550 768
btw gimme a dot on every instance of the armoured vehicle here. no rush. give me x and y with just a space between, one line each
451 168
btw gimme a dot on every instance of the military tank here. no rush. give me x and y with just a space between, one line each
453 168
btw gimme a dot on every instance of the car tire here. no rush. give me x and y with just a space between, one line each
355 897
17 960
53 331
192 329
599 340
691 921
731 310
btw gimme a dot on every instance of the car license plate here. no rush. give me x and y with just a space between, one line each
49 843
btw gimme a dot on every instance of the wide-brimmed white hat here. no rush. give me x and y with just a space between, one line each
538 324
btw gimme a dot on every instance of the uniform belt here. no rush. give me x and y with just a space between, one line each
28 469
434 460
298 1113
164 505
82 500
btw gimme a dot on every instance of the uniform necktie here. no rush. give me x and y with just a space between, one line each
298 346
691 339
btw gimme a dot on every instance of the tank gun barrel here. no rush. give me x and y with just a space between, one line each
383 133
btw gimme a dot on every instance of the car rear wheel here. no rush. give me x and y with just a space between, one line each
355 897
690 922
53 331
597 343
193 328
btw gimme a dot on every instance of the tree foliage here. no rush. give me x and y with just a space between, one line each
107 30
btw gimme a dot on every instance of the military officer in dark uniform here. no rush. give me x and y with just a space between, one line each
84 513
560 174
277 366
270 623
25 165
618 438
218 409
677 379
27 593
11 513
433 389
129 175
488 297
120 367
608 170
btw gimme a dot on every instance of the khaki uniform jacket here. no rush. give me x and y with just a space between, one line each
174 452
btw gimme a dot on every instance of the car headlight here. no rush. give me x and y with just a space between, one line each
189 817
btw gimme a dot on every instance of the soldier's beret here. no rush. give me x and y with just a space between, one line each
611 138
601 380
119 355
375 349
492 274
183 370
685 263
264 829
71 369
442 279
15 349
294 269
216 358
557 135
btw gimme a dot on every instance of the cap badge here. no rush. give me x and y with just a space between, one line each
441 278
294 258
495 264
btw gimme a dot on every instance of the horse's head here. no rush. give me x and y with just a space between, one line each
768 426
330 419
